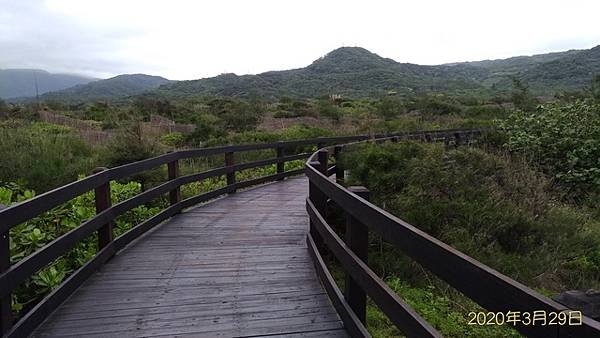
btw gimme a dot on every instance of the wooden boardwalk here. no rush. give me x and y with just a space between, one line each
237 266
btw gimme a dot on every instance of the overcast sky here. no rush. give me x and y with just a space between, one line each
182 39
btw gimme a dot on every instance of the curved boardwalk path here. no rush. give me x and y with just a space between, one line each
237 266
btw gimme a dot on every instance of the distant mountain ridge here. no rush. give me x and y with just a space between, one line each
356 72
350 71
115 87
22 82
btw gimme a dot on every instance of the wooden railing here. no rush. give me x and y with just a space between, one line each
11 276
487 287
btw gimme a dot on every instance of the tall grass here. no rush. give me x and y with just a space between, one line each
42 156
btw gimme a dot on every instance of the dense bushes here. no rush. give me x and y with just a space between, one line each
237 115
42 156
493 207
28 237
564 139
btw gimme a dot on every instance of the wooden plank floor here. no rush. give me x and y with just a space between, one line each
234 267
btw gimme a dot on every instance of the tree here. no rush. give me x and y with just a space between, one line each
329 110
207 127
147 105
521 96
390 106
238 115
130 146
3 106
595 88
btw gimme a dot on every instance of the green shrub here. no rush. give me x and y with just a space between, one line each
390 107
434 104
493 207
174 139
564 139
42 156
237 115
207 127
129 147
329 110
28 237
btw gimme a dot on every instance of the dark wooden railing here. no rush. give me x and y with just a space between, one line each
11 276
487 287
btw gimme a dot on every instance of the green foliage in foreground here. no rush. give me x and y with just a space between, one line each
29 237
564 139
438 309
491 206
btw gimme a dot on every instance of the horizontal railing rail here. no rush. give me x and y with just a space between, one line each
484 285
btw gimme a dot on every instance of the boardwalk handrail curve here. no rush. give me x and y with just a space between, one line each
11 276
484 285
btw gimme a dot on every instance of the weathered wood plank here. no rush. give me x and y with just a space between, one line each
236 266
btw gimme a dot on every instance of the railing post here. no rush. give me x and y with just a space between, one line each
457 139
322 156
229 161
280 165
173 172
103 202
357 239
5 308
318 198
339 168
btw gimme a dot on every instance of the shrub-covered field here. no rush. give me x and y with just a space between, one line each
512 203
523 201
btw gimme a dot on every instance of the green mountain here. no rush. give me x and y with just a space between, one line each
573 71
21 82
349 71
356 72
115 87
570 70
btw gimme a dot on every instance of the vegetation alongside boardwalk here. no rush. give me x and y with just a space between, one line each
522 203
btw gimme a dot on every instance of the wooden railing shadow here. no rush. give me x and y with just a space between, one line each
482 284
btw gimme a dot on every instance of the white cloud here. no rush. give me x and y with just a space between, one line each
183 39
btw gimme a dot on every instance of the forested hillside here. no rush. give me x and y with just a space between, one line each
347 71
356 72
116 87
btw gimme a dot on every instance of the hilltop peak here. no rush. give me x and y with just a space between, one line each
351 52
349 59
